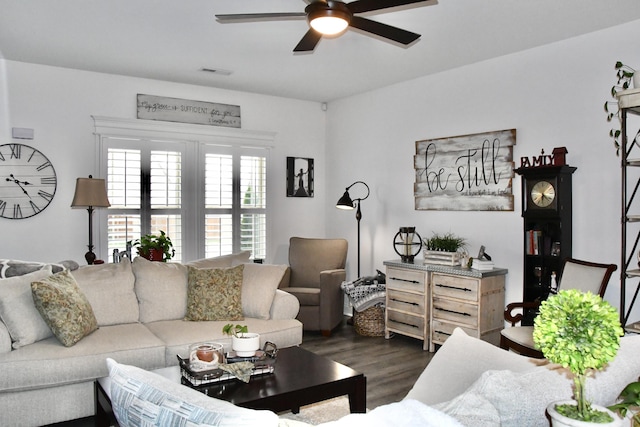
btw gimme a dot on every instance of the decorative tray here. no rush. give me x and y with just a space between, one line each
263 364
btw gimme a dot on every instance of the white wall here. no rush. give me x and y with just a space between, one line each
58 104
552 95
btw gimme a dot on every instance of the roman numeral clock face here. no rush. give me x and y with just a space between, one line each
27 181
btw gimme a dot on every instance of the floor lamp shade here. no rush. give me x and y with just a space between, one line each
90 193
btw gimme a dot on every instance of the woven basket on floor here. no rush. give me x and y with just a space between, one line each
369 322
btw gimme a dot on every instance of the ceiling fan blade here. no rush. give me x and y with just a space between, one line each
360 6
253 16
309 41
383 30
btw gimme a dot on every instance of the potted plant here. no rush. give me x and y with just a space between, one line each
243 342
581 332
626 75
154 247
629 400
443 249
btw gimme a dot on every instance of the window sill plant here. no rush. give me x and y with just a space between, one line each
243 342
155 247
581 332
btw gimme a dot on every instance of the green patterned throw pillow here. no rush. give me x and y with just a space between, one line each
64 307
215 294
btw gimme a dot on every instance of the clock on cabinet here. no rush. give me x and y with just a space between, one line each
547 228
541 194
27 181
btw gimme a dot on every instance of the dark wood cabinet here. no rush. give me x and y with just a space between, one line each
547 231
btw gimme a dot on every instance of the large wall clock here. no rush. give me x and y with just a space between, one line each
27 181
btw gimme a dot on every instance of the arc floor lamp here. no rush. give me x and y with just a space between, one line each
90 193
346 202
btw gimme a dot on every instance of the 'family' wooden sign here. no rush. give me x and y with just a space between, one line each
465 173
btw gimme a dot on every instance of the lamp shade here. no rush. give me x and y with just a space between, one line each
345 202
90 192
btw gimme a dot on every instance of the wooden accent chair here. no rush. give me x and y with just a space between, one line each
317 269
576 274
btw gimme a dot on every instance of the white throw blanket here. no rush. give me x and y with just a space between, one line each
407 412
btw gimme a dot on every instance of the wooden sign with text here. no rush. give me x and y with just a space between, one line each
465 173
185 111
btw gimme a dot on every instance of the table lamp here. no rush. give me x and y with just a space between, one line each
90 193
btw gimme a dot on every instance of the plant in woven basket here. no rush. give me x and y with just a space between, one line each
581 332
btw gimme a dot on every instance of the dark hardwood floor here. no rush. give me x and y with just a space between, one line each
391 366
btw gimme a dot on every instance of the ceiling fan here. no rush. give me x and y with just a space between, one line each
331 17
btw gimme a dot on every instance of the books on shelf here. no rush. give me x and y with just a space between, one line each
534 242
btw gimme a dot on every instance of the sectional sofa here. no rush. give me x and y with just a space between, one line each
139 308
469 382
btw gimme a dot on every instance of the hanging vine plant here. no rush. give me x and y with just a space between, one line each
624 74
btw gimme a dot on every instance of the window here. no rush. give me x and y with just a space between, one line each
209 198
235 204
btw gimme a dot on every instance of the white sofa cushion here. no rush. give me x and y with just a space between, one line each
109 289
222 261
259 284
142 398
19 313
459 363
161 288
490 401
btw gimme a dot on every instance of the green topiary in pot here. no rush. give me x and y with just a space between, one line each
581 332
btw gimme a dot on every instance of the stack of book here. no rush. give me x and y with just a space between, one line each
482 265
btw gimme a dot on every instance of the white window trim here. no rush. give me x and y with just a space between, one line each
203 135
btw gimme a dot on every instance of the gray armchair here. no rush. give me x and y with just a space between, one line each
316 273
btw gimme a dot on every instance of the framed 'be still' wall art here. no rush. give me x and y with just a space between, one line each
465 173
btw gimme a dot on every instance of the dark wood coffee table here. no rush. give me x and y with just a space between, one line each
300 378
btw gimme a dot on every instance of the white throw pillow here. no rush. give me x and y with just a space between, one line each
459 363
142 398
18 311
14 267
520 398
161 288
223 261
109 289
259 284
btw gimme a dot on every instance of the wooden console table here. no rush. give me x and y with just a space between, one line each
428 301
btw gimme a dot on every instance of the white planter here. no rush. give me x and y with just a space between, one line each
636 79
246 345
558 420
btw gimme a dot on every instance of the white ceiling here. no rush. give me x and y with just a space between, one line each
174 39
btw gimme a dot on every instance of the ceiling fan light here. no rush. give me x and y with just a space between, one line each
329 25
